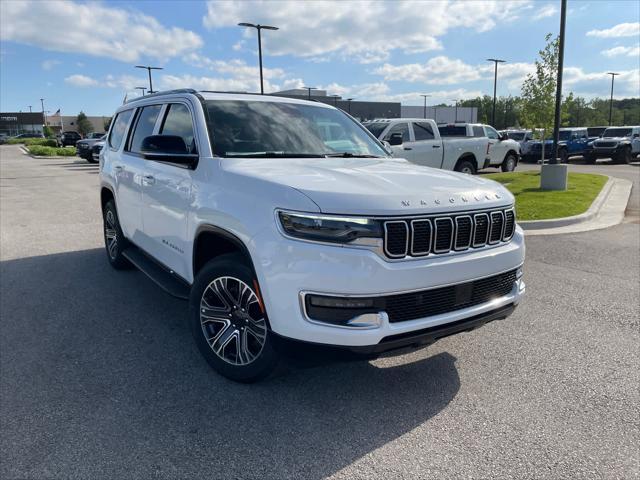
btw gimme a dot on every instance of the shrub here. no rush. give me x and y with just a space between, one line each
47 142
45 151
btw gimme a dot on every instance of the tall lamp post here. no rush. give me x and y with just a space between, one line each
349 104
613 76
335 99
456 120
148 69
44 115
496 61
308 89
31 111
141 88
425 103
259 28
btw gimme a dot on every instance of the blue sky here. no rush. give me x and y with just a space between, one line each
80 55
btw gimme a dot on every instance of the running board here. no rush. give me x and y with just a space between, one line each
164 278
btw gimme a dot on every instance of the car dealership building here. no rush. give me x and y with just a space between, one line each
15 123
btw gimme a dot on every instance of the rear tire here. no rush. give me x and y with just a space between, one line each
564 156
625 156
228 322
509 164
114 240
466 166
590 159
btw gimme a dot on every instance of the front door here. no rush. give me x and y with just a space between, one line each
497 149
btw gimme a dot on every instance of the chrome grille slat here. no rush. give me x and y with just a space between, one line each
418 237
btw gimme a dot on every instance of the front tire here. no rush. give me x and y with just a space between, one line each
509 163
590 159
228 321
114 241
625 156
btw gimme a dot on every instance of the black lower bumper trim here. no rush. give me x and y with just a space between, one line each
415 339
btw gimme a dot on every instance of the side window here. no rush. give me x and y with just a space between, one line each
491 133
144 126
119 128
478 131
178 122
422 131
399 128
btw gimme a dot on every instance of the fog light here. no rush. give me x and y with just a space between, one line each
340 302
520 272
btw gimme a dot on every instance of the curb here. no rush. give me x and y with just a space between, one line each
593 210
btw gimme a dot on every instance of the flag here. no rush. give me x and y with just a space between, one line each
57 112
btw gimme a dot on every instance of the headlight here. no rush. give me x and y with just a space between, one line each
325 228
590 144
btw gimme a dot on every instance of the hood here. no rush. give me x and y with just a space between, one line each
613 139
370 186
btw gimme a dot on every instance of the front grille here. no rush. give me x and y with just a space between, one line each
443 234
427 303
605 144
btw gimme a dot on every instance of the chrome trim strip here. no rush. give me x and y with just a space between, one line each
486 237
435 235
455 242
421 254
499 212
386 234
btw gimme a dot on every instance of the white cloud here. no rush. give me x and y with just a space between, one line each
78 80
366 30
49 64
622 51
439 70
93 29
620 30
238 68
548 10
597 84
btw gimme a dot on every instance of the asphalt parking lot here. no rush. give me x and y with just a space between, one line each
99 377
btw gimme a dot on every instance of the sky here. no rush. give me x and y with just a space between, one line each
81 55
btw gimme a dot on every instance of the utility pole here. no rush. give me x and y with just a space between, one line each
556 124
259 28
149 68
349 104
496 61
141 88
44 115
613 76
425 103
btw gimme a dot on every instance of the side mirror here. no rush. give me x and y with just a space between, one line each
636 135
167 148
387 147
503 137
395 139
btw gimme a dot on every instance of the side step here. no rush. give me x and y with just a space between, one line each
165 279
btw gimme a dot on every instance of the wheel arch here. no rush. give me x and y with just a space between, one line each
467 156
106 194
211 241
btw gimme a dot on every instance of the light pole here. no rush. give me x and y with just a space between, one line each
425 103
556 122
349 104
613 76
259 28
335 99
149 68
308 89
496 61
141 88
31 111
456 120
44 115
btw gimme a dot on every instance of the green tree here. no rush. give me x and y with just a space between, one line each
83 124
47 132
539 87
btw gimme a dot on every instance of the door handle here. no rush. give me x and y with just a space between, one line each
408 148
149 179
435 146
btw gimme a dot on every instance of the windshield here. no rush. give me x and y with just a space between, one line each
617 132
376 128
518 136
240 128
595 131
564 135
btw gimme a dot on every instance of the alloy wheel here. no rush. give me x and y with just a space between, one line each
111 234
232 321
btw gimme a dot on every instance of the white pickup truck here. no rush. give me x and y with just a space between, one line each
461 147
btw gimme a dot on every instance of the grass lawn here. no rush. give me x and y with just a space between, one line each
535 204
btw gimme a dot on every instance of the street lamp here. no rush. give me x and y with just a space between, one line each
335 99
613 76
31 111
349 104
496 61
44 115
149 68
141 88
259 28
425 103
456 120
308 89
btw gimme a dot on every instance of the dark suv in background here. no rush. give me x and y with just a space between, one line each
66 139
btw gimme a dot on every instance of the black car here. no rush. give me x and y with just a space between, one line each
84 147
68 139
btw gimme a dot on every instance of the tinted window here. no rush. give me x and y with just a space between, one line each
518 136
178 122
376 128
422 131
271 129
478 131
453 131
595 131
491 133
402 128
119 128
144 126
617 132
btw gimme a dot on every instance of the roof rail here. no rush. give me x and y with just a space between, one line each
165 92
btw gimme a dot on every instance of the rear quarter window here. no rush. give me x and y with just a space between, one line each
119 128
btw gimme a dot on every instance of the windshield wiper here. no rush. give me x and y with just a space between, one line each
273 155
350 155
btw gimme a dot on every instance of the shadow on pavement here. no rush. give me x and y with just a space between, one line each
100 379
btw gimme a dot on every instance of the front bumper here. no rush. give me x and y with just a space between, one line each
604 152
287 269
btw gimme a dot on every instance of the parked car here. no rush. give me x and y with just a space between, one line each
423 142
572 142
282 232
523 137
3 138
66 139
84 147
29 135
622 144
95 151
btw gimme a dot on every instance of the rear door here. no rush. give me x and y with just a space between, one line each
427 149
166 195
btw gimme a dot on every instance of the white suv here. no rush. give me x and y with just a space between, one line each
285 222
